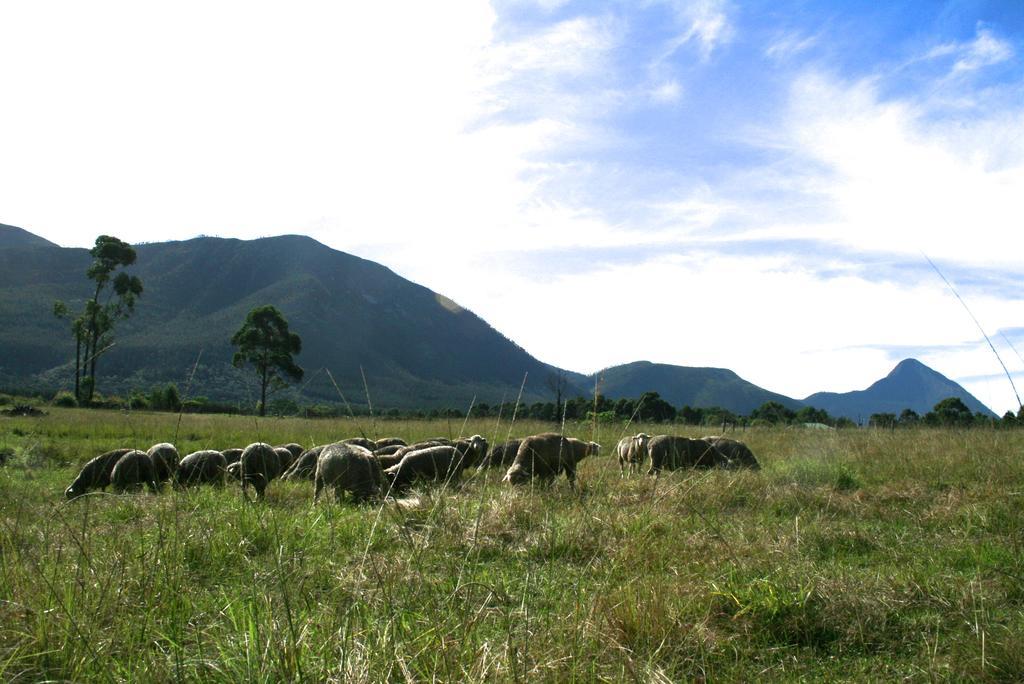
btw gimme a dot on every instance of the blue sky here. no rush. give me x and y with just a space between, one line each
750 185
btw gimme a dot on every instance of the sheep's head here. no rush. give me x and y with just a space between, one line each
516 475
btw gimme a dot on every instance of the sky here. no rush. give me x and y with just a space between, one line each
751 185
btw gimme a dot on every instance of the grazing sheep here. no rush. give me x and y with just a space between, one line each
165 461
201 467
437 463
95 474
260 465
546 455
232 455
304 467
388 460
294 449
502 455
672 452
284 459
737 453
348 468
417 446
389 442
473 448
388 450
234 471
632 451
433 463
134 469
360 441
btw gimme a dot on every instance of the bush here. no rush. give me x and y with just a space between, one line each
165 398
138 401
65 399
111 402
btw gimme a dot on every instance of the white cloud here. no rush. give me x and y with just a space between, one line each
985 50
788 45
708 23
892 178
702 22
666 93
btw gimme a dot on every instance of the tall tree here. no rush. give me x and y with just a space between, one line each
265 343
113 298
556 383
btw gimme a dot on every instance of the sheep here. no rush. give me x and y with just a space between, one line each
389 442
201 467
388 460
672 452
632 451
388 450
737 453
432 463
232 455
501 455
473 448
133 470
284 459
546 455
259 465
95 474
304 467
393 458
417 446
360 441
294 449
234 471
437 462
348 468
165 461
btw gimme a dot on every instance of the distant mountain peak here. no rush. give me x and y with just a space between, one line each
911 384
12 236
910 365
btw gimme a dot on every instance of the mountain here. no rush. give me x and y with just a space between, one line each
10 236
911 384
685 385
416 347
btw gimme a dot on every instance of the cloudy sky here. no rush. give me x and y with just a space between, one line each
750 185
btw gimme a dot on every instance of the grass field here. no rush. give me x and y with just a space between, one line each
854 555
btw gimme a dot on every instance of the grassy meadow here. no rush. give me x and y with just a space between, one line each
857 555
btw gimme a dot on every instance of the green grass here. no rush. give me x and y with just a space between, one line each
853 555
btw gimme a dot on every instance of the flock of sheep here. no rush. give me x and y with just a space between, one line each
368 469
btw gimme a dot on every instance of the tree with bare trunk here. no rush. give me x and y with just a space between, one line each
265 343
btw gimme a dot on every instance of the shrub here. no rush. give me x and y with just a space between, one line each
65 399
138 401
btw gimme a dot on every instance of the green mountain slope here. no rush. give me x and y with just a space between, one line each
416 347
11 236
685 385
